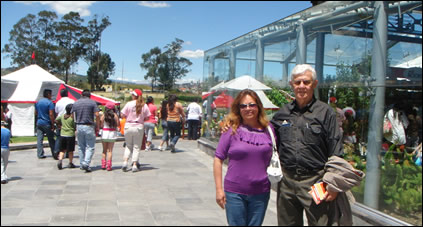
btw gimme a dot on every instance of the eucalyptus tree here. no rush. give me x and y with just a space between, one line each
165 67
22 41
93 36
177 66
152 62
100 70
46 48
69 35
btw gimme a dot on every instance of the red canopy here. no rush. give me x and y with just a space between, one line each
75 94
223 100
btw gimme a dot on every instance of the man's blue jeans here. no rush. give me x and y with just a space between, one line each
86 143
246 210
41 129
175 131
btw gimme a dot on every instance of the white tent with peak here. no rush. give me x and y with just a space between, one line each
248 82
20 90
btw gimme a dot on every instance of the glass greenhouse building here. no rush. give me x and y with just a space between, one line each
368 57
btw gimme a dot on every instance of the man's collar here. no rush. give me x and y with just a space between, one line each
308 107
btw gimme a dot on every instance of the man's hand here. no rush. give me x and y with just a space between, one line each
225 127
330 196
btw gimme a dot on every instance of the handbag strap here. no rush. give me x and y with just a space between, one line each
273 138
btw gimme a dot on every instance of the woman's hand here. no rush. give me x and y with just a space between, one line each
220 198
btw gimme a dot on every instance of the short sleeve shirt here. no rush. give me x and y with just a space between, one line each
132 119
60 108
68 126
153 111
5 138
84 110
194 111
249 151
43 107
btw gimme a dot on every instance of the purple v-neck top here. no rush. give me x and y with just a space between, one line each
249 151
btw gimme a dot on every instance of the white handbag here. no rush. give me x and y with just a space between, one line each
274 170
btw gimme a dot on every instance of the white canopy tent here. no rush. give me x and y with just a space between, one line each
244 82
247 82
20 90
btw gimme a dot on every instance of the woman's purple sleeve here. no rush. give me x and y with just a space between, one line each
223 146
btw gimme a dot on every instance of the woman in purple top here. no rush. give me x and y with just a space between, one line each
248 146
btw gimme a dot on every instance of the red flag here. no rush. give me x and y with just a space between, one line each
33 55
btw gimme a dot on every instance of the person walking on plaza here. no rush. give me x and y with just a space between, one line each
194 113
136 113
66 125
44 112
109 123
84 110
248 146
308 134
8 119
163 119
5 139
150 124
175 120
60 109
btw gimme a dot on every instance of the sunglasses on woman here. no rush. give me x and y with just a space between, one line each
251 105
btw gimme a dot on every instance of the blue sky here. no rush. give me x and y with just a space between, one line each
138 26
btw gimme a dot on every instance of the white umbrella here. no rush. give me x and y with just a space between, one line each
267 104
245 82
218 86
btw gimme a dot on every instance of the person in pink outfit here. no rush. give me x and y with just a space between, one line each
136 113
109 122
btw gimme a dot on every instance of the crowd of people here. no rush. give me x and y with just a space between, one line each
69 122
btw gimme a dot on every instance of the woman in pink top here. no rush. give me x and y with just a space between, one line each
135 112
150 124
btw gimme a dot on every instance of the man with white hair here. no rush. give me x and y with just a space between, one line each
308 134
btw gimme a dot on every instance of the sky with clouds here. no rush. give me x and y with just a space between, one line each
138 26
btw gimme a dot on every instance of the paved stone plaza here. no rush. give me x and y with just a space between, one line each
171 189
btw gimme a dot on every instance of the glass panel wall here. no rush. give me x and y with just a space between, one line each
346 83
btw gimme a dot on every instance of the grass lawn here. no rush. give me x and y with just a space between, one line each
25 139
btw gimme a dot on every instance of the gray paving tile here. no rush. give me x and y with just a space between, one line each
103 218
10 211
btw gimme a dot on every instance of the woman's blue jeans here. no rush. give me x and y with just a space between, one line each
246 210
175 131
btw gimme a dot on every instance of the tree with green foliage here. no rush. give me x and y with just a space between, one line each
178 66
22 41
57 45
93 36
152 61
69 33
99 71
45 54
165 67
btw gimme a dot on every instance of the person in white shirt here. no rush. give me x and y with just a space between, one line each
194 113
60 109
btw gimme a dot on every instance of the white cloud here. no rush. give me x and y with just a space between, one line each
65 7
192 54
153 4
188 43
